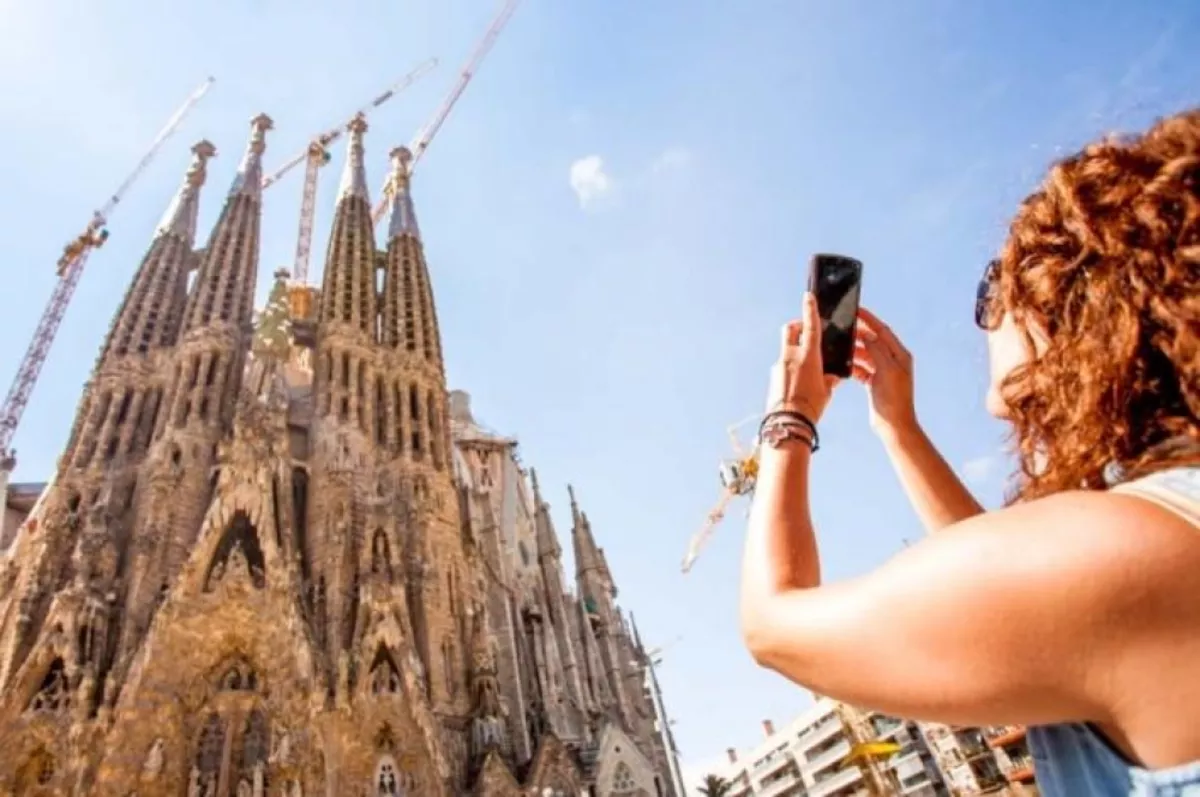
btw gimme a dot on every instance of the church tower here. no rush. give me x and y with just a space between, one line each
264 567
204 375
412 382
67 575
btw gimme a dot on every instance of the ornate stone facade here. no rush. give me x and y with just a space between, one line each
279 558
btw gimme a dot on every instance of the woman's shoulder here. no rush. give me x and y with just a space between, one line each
1166 500
1176 489
1116 545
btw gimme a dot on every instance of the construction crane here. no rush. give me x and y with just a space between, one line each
69 269
738 477
316 155
426 133
866 752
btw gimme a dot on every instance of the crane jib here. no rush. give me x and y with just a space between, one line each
70 269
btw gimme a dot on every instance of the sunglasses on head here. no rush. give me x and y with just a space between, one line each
985 295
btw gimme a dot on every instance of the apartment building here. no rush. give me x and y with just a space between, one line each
805 757
978 761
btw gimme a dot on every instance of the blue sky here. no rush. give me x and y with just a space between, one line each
617 218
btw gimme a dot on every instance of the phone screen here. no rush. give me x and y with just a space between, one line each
836 281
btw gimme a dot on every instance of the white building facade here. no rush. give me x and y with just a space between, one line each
804 758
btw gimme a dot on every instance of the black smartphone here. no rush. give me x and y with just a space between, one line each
836 281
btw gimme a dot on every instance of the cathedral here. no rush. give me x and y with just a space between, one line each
279 557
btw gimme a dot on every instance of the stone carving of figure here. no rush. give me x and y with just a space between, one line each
343 672
260 781
244 788
194 783
154 759
283 750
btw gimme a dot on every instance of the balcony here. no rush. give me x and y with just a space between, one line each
835 783
972 751
772 762
1019 769
907 766
827 757
1004 735
989 779
826 728
788 784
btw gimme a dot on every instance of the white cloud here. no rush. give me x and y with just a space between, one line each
671 159
589 181
978 470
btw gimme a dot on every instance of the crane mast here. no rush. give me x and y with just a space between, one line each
316 155
425 135
70 269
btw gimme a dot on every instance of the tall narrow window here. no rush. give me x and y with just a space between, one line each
210 753
414 414
398 408
431 414
360 400
380 412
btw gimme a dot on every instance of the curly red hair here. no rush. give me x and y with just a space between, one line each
1103 262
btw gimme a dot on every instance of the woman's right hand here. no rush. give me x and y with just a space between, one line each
886 368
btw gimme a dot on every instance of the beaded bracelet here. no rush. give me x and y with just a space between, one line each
783 425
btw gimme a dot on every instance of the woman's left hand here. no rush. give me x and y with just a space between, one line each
798 380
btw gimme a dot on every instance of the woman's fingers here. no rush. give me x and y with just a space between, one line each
790 335
874 326
805 333
810 335
871 352
874 321
861 373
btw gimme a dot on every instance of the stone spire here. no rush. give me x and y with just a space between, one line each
487 724
224 289
348 287
402 218
354 175
149 315
350 417
588 559
114 420
547 540
409 316
248 181
550 559
181 215
199 389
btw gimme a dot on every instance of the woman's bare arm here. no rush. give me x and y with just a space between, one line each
1026 615
934 489
885 367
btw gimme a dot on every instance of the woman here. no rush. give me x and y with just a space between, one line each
1076 609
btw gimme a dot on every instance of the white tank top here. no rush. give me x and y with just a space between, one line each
1177 490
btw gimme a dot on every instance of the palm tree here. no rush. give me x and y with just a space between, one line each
715 786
